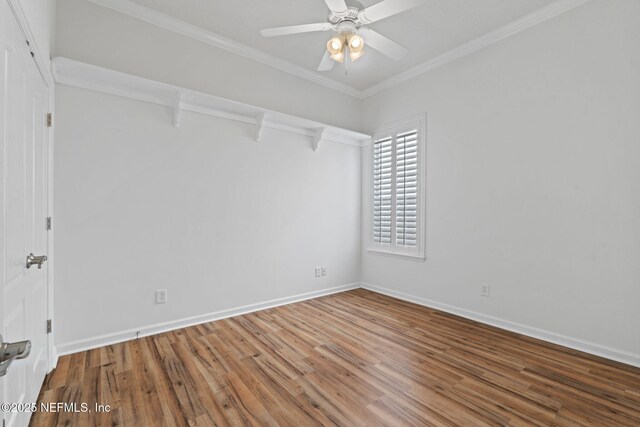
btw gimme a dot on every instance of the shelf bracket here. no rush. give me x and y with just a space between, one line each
177 109
318 137
259 126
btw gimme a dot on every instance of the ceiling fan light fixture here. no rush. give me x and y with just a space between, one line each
356 43
335 45
338 57
356 55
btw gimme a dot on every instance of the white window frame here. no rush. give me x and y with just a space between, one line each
393 129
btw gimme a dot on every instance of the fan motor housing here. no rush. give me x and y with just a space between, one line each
348 18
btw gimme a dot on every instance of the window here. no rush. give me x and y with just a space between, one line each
396 222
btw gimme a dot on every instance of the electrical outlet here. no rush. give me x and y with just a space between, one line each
318 271
161 296
484 290
323 271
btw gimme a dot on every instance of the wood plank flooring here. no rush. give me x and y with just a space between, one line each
352 359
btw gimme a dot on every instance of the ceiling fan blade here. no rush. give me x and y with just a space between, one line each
327 63
336 5
386 8
382 44
295 29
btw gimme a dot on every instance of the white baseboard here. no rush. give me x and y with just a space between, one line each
53 363
130 334
552 337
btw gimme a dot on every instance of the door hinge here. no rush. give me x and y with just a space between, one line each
33 55
49 223
49 120
49 327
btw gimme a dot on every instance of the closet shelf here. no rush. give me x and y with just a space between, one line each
79 74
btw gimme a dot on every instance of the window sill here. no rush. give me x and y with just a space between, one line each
386 252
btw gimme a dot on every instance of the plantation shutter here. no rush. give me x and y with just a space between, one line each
397 201
382 189
406 188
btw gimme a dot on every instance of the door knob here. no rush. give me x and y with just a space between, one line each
35 260
9 351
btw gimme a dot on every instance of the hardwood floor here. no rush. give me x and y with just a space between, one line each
353 359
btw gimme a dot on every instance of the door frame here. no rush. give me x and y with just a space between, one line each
44 67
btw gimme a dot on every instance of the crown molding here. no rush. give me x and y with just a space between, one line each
167 22
86 76
175 25
541 15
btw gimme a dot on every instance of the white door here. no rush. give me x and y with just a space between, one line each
23 195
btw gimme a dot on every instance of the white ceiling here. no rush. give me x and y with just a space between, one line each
427 31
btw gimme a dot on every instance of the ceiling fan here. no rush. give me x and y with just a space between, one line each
349 24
